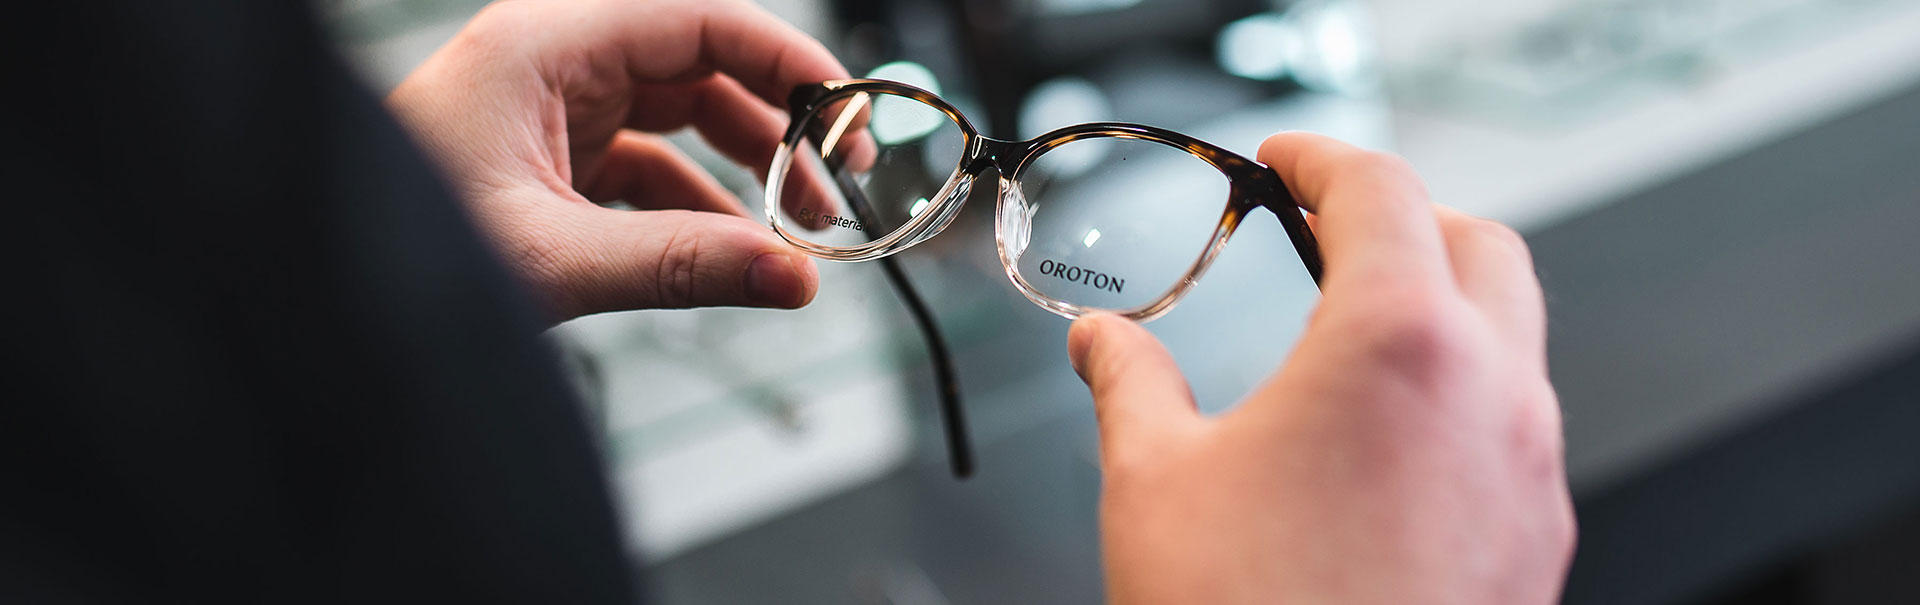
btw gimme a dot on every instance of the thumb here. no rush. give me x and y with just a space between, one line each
1138 392
669 259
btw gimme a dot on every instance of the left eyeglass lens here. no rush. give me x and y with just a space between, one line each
1112 223
865 166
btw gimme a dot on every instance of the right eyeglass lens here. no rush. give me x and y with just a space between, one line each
1114 223
866 165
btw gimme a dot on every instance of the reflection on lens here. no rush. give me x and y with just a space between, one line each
1121 233
1060 102
896 120
857 174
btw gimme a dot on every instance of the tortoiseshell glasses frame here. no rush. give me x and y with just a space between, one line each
1252 185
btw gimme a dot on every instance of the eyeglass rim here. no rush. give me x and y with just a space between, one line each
1251 185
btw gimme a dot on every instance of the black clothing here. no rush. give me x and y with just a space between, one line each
256 352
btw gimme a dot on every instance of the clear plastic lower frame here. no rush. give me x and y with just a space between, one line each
927 224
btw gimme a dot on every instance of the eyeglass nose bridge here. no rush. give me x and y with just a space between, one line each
982 153
985 152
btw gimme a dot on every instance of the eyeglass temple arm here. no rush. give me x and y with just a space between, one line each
1279 200
952 417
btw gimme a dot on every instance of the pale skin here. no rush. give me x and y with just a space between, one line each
1409 450
538 109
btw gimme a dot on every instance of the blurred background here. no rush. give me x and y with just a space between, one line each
1722 197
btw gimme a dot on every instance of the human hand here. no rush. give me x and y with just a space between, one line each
538 109
1409 451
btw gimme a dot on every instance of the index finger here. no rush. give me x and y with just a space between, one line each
1374 220
687 37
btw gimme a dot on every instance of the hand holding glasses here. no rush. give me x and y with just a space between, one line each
871 167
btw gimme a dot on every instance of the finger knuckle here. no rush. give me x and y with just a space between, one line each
675 277
1535 438
1414 333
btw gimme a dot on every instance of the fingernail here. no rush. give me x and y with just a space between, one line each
1080 344
773 281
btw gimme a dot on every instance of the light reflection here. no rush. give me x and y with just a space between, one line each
1261 47
1083 7
1335 57
899 120
1060 102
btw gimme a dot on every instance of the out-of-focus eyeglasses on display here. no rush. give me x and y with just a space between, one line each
872 167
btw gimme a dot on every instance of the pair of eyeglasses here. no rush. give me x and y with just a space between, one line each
869 168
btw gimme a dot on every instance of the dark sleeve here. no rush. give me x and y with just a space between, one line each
255 353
